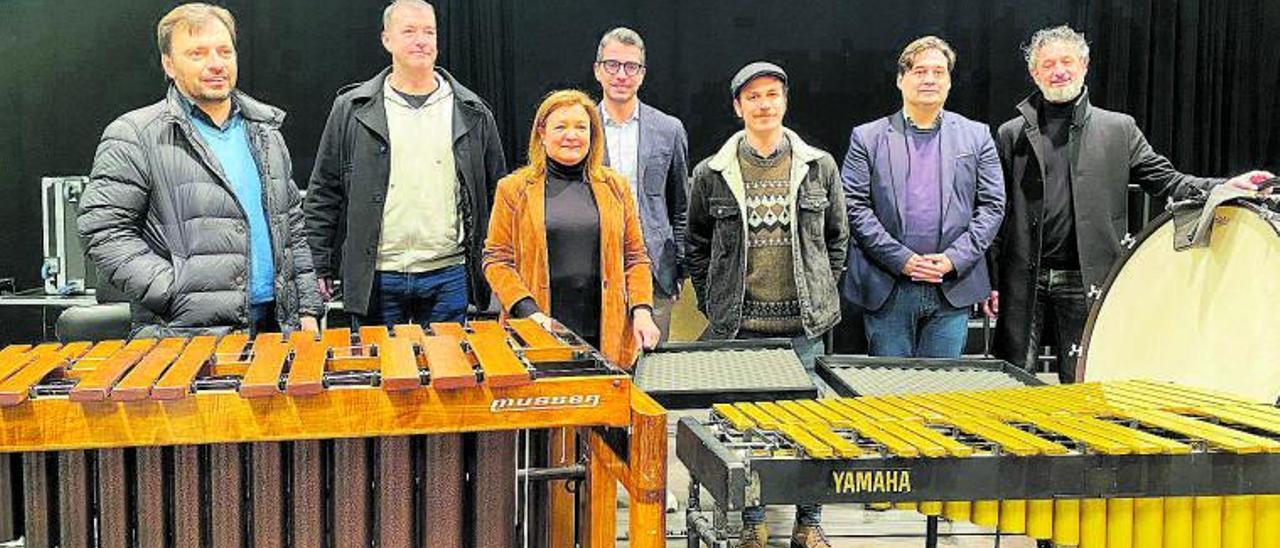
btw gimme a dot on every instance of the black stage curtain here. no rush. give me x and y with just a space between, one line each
1199 75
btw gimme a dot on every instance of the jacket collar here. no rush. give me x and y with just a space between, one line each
728 154
367 106
252 109
372 88
1029 108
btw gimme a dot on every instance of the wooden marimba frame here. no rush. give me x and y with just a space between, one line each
403 437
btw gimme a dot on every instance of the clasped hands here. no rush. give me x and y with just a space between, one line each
928 268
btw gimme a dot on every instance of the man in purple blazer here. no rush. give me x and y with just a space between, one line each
925 195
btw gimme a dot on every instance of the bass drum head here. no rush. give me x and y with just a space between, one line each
1204 317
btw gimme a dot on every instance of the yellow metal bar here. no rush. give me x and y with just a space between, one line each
948 444
834 419
806 441
806 416
1245 416
1211 395
1142 442
838 406
1011 440
1206 530
929 402
987 407
1093 523
862 407
757 415
842 447
926 447
1148 522
736 418
882 406
1216 435
778 412
912 407
1120 523
869 430
1178 522
1040 519
1101 444
1066 522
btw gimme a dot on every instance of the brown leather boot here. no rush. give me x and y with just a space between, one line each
754 536
809 536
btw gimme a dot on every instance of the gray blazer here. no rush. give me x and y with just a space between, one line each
874 175
662 167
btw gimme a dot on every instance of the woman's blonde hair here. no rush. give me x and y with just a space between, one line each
595 152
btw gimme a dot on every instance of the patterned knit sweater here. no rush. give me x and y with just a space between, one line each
771 304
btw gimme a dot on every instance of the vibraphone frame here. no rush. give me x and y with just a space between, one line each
712 451
226 424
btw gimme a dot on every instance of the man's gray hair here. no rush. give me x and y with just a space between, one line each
1060 33
621 35
391 8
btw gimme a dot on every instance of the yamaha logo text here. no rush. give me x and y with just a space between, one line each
855 482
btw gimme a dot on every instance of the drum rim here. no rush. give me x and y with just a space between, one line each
1147 231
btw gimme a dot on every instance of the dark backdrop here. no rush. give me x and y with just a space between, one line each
1198 75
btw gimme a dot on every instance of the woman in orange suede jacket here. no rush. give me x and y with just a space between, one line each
564 236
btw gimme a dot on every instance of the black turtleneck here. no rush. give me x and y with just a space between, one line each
573 251
1058 232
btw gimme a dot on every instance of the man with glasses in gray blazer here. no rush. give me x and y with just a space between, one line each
651 149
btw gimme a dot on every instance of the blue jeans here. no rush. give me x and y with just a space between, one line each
421 298
808 350
806 514
916 321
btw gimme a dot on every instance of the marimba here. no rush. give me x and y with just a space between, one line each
400 437
1124 464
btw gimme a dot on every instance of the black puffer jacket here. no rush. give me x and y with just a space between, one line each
160 221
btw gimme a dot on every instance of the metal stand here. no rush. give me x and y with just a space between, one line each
698 528
931 532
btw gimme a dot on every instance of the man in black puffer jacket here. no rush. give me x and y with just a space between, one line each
191 210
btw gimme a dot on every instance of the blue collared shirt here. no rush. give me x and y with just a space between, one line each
231 149
622 141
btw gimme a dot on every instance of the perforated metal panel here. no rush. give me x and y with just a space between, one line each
877 376
699 374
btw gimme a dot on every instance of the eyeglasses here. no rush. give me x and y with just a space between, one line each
611 66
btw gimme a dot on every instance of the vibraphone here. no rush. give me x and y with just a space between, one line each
1126 464
401 437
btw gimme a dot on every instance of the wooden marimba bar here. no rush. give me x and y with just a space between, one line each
386 437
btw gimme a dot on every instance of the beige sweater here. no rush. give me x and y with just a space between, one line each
421 229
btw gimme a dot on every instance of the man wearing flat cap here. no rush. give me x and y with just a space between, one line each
766 244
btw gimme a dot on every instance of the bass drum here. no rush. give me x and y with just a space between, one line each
1205 317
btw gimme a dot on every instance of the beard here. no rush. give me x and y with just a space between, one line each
211 96
1063 94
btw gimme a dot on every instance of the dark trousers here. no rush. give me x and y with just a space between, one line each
1060 311
420 297
262 318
